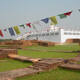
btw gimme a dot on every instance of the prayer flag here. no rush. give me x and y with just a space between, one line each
11 31
62 16
46 20
22 25
68 13
54 20
28 24
17 30
1 34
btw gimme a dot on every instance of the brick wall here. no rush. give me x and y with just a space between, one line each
5 52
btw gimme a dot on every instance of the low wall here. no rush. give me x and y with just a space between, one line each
5 52
72 40
24 43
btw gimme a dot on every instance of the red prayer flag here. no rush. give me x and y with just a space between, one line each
68 13
28 24
1 34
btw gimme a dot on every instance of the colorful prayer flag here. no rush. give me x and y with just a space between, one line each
1 34
62 16
17 30
46 20
11 31
22 25
68 13
54 20
28 24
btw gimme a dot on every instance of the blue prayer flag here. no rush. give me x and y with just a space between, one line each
11 31
46 20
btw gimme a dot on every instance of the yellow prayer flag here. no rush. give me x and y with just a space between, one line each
17 30
53 20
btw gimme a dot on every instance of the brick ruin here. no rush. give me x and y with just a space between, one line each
39 65
73 41
25 43
5 52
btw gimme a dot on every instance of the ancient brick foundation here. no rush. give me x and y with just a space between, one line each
5 52
72 40
24 43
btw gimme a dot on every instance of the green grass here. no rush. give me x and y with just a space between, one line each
42 54
73 47
9 64
37 54
58 74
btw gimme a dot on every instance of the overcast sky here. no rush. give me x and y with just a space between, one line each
15 12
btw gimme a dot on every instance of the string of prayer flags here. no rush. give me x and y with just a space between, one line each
46 20
22 25
11 31
68 13
28 24
1 34
62 16
17 30
54 20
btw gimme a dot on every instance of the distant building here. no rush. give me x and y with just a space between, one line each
54 34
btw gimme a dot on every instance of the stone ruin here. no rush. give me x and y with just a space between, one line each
73 41
25 43
5 52
39 65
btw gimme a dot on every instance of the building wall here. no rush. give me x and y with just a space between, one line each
46 36
68 34
58 35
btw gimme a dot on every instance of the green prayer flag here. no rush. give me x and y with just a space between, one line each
17 30
53 20
62 16
22 25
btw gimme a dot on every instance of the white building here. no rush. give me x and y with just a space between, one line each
54 34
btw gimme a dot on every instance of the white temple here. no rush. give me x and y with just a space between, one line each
53 34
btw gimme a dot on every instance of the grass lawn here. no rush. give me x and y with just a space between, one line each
73 47
9 64
58 74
